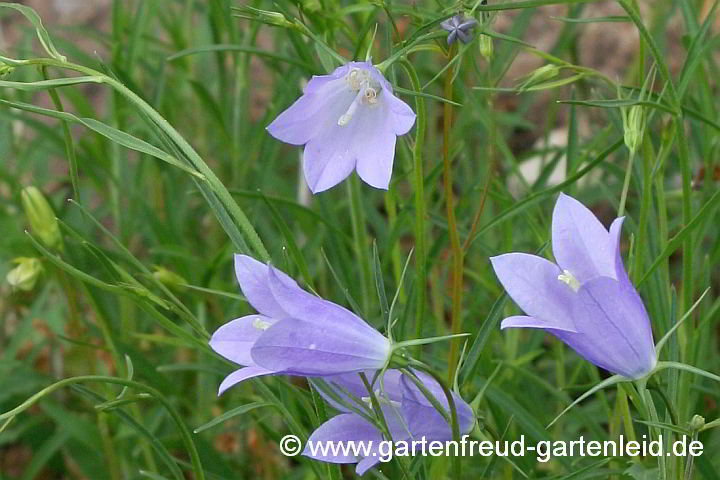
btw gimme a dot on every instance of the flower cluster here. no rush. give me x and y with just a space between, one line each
349 120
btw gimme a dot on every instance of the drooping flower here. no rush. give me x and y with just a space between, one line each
459 28
348 120
295 332
408 414
586 299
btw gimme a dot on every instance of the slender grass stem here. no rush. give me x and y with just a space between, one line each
420 203
455 245
357 216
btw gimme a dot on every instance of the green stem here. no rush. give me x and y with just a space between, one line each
455 245
383 423
67 135
647 406
357 216
452 418
420 206
636 269
626 184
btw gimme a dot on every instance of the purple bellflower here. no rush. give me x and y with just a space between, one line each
459 28
295 332
348 120
408 414
586 299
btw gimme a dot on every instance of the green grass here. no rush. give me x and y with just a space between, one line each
160 142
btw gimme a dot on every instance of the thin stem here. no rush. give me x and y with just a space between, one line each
626 184
420 207
455 245
636 269
357 216
452 418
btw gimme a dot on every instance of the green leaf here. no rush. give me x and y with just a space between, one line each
42 34
111 133
230 414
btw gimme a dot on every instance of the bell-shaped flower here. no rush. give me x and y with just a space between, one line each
295 332
586 299
408 414
347 120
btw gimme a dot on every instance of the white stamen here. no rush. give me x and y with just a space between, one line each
569 279
260 324
370 96
357 78
345 117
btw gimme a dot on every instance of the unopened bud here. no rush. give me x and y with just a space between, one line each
265 16
486 46
41 217
169 278
540 75
25 275
697 422
633 123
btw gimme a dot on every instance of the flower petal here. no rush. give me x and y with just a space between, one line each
352 384
580 242
234 339
345 428
328 158
422 417
241 375
303 348
402 115
522 321
532 282
374 145
253 279
614 328
615 233
326 97
305 306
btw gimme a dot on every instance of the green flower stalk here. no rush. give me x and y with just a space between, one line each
41 217
26 274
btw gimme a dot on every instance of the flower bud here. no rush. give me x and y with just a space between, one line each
696 423
540 75
633 124
265 16
41 217
25 275
486 46
169 278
